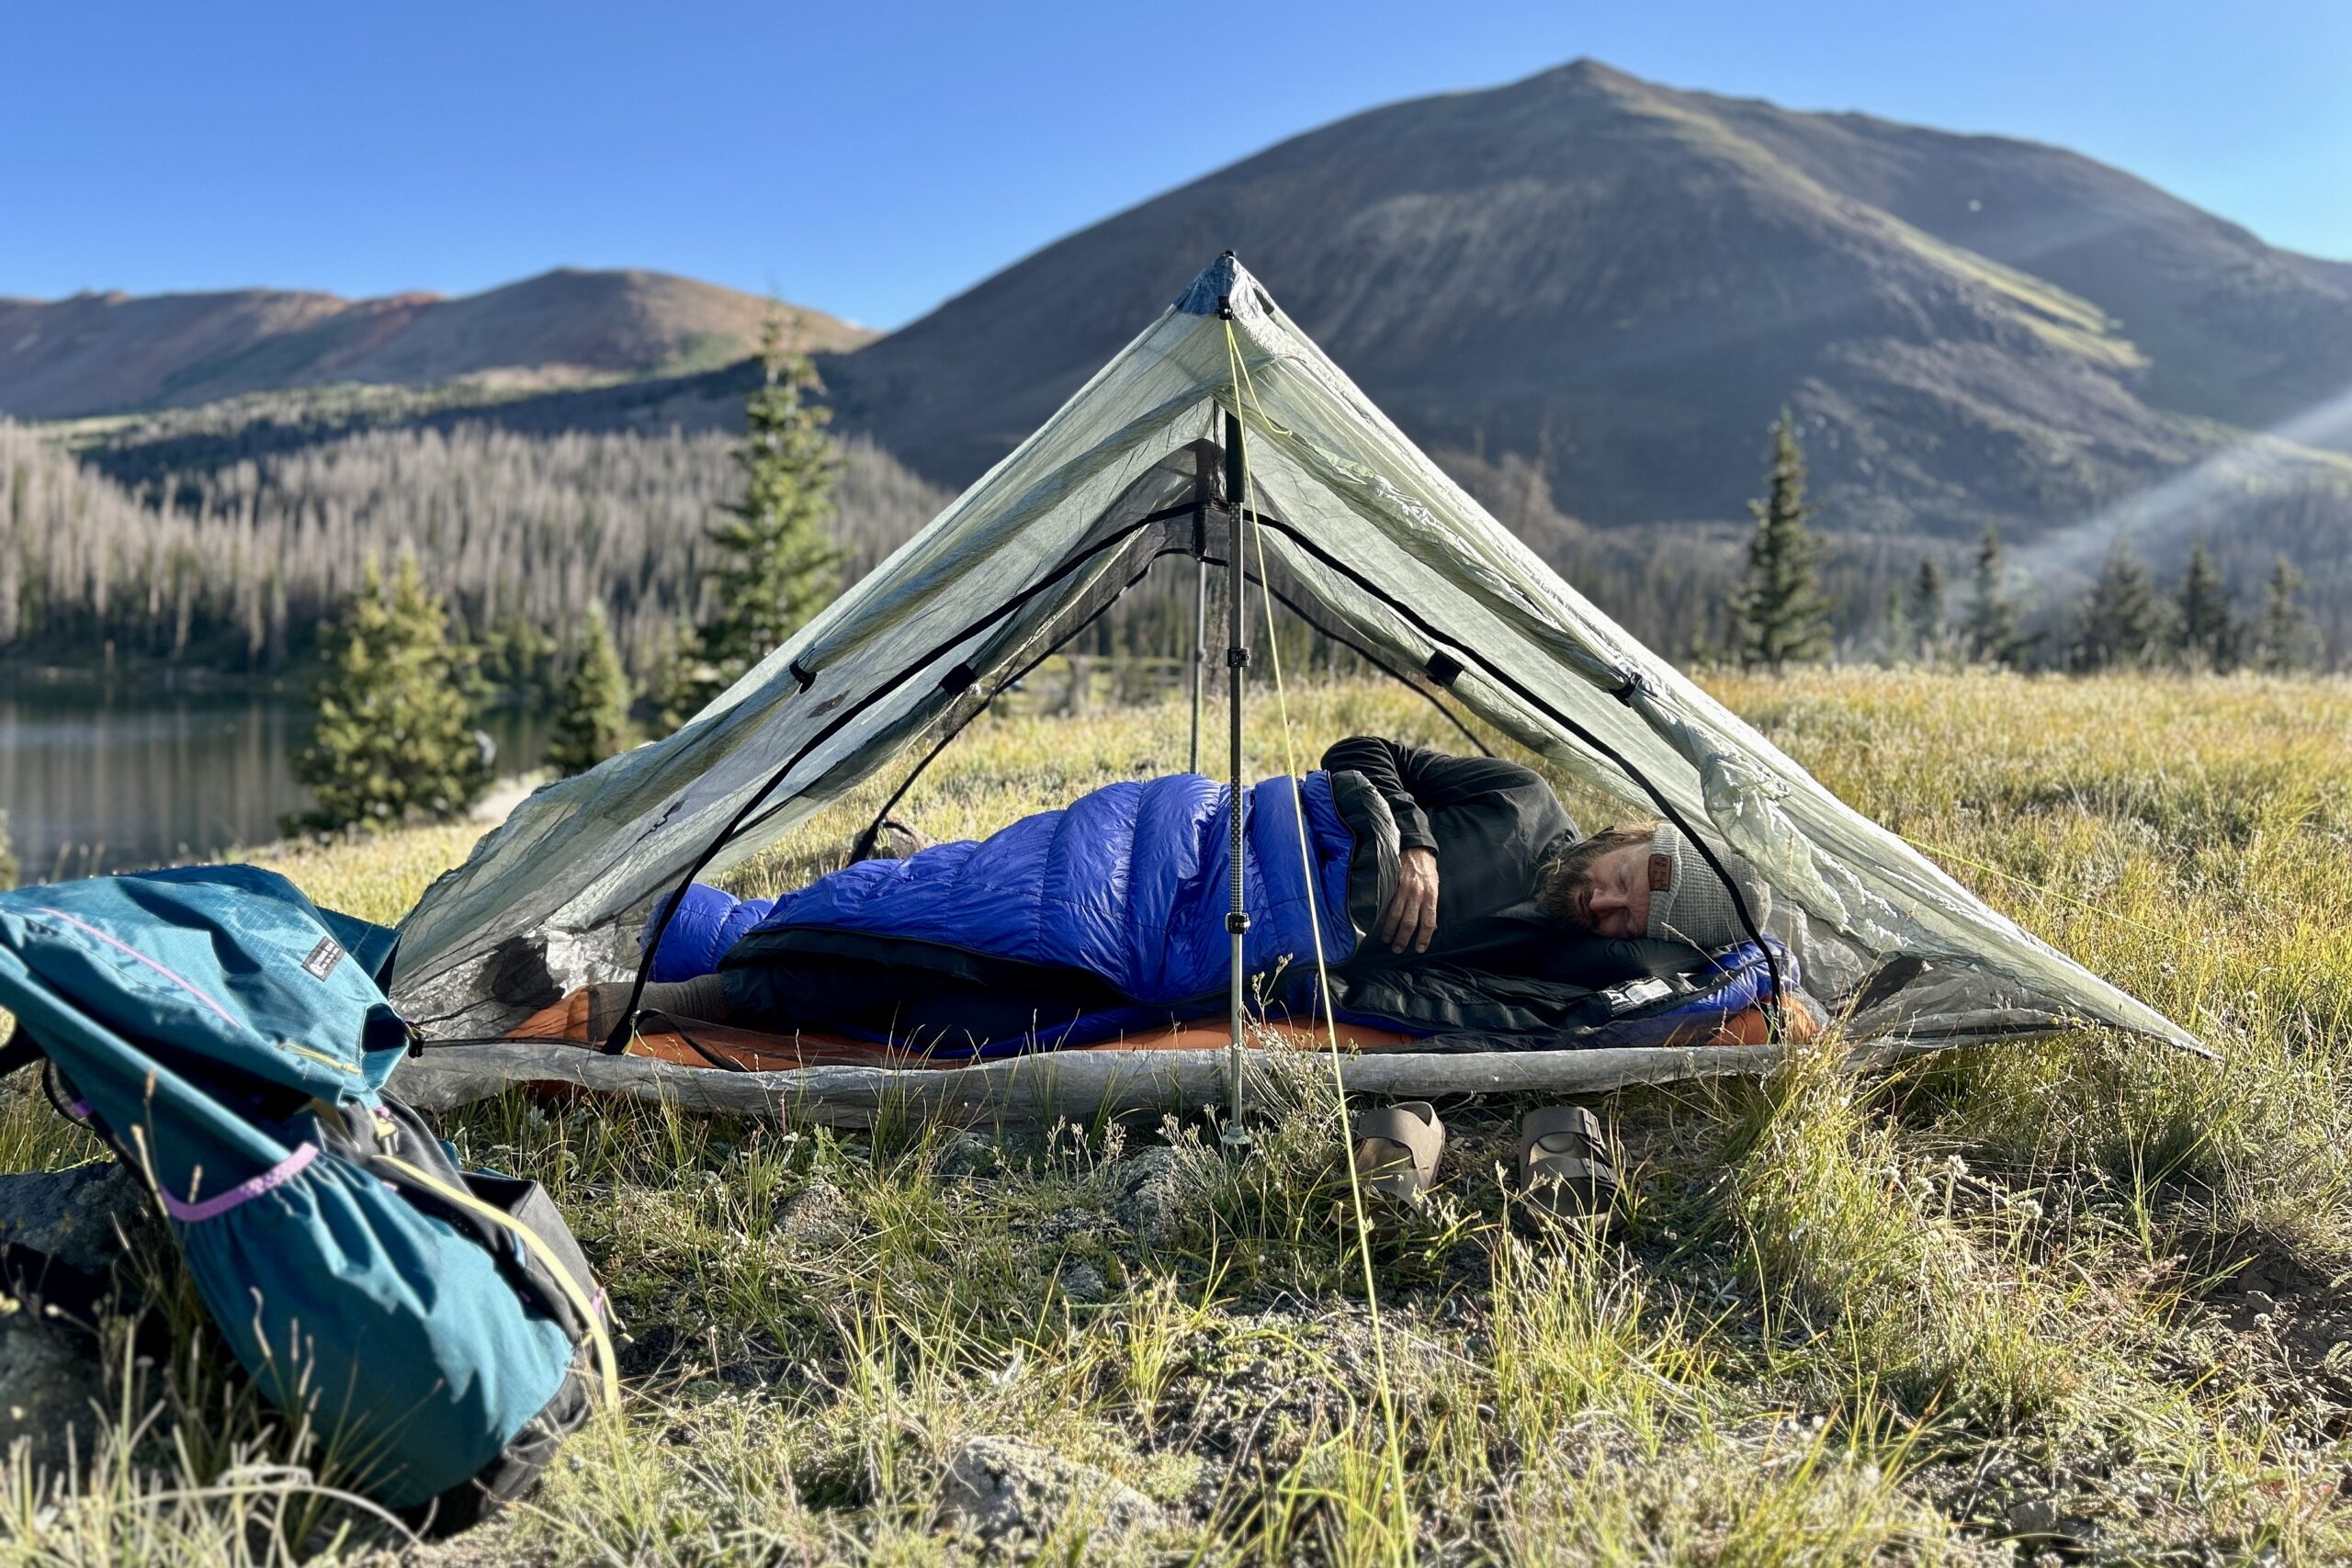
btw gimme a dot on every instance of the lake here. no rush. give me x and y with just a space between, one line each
111 777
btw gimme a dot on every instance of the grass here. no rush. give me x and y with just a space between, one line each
2041 1304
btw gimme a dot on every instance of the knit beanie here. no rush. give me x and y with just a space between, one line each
1690 903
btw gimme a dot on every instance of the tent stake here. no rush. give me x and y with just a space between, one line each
1235 1135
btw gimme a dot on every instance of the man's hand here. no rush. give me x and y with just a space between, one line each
1410 919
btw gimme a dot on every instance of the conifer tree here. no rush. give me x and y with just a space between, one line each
778 565
677 681
1901 636
1991 618
395 740
592 723
2121 621
2284 638
1928 603
1783 617
2204 625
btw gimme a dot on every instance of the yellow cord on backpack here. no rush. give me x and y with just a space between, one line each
606 1365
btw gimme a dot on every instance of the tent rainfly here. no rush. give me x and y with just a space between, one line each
1354 528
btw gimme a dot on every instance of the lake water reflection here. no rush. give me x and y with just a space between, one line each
110 777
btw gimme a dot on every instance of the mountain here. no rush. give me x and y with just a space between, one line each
1616 285
101 353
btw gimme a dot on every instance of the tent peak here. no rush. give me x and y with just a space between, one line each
1225 282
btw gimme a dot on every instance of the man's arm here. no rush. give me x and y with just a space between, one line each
1415 780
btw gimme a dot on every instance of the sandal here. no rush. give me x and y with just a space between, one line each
1563 1169
1397 1148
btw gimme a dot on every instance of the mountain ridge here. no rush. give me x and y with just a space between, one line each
96 353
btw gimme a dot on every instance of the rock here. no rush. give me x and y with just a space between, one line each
1082 1282
893 839
49 1392
77 1216
1002 1489
963 1153
1154 1197
2033 1517
819 1214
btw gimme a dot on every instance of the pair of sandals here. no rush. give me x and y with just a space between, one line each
1563 1169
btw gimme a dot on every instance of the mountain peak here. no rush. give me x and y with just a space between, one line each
1616 285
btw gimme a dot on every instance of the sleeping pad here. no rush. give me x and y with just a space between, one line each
1107 918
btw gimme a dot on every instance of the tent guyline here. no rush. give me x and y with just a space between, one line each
1223 432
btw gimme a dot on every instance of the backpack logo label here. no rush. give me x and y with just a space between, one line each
322 959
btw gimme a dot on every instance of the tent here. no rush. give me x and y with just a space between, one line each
1349 524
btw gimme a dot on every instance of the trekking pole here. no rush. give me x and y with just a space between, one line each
1200 653
1236 1136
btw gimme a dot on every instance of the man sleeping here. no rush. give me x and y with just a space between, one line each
1448 895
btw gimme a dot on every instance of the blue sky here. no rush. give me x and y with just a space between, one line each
876 158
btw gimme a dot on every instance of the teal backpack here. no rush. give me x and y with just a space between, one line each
438 1329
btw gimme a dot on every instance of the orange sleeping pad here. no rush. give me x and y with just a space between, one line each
758 1050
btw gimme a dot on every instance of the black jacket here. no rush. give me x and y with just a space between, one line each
1495 960
1491 823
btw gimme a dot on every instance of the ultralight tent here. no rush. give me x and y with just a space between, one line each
1355 529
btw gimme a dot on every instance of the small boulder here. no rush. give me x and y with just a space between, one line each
1002 1489
2033 1517
77 1216
1082 1282
1154 1196
964 1153
51 1393
817 1215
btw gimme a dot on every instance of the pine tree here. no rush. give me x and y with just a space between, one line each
1783 617
1991 618
2284 638
2121 621
779 568
1902 639
677 681
2204 625
1928 600
592 723
395 740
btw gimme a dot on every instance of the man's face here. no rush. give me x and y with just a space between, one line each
1614 898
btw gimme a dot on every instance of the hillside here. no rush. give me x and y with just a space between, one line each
1621 282
98 353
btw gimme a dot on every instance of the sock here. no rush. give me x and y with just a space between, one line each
702 997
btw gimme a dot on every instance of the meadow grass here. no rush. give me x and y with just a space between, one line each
2061 1302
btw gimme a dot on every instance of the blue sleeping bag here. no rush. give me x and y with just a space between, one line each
1130 883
